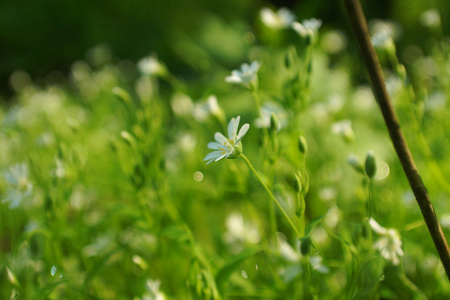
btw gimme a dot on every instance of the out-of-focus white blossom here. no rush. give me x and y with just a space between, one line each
20 186
182 105
203 109
266 112
151 66
312 24
154 293
283 18
307 27
389 244
430 18
246 76
344 129
240 232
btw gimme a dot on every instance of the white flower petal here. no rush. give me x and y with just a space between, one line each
220 157
213 155
232 128
216 146
233 79
242 132
220 138
255 66
377 227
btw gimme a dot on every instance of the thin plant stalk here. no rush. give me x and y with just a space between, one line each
294 227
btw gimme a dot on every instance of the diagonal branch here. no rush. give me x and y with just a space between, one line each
359 24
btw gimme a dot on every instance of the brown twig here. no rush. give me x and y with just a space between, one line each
359 24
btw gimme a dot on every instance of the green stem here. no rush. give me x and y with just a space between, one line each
307 269
370 200
272 196
257 101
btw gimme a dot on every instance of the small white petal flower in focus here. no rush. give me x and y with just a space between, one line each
247 75
277 20
389 244
227 147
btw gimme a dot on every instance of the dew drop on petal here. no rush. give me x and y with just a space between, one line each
244 274
53 272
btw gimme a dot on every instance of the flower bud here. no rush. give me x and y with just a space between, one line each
354 161
370 164
305 245
128 139
302 144
297 184
274 123
401 72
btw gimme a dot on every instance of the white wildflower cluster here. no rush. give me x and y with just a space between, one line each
389 244
284 18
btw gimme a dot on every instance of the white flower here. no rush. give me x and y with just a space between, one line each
286 250
312 24
382 39
383 34
353 160
307 27
225 147
182 104
247 76
151 66
153 290
389 244
210 106
266 112
277 20
240 232
19 184
344 129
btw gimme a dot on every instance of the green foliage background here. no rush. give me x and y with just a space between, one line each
113 155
